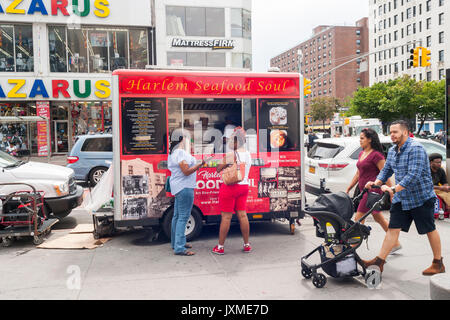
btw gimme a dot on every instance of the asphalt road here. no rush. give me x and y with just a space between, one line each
127 268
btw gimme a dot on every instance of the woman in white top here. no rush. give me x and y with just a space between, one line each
233 198
183 167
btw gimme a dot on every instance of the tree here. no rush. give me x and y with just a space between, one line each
431 100
323 108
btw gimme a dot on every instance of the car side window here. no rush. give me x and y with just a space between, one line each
432 148
355 155
97 145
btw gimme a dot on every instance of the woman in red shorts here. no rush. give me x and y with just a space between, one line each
233 198
371 161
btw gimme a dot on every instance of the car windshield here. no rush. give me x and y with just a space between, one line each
7 161
324 151
376 128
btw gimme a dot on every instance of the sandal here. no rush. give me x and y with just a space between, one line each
188 246
185 253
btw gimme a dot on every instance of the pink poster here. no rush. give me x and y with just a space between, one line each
42 110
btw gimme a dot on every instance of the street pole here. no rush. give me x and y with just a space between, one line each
302 129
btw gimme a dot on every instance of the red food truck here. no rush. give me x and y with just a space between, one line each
149 107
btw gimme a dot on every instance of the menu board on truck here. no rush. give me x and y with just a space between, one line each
278 121
144 126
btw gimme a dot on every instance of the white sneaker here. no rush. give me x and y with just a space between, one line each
395 249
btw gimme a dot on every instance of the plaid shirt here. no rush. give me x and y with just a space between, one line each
412 171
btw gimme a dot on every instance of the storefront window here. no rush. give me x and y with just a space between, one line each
215 59
196 59
77 41
90 118
237 60
98 51
176 58
57 48
118 50
138 49
7 48
18 39
17 139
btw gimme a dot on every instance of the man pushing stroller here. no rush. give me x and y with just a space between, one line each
413 196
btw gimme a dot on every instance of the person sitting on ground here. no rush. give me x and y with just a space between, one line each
440 183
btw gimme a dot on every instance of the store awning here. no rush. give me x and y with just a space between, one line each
22 119
319 127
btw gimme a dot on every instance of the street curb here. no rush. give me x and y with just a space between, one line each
440 287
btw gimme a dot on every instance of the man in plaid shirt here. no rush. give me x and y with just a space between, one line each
413 196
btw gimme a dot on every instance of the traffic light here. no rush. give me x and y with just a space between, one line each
426 57
307 86
414 58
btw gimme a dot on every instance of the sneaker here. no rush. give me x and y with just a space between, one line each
247 248
395 249
220 251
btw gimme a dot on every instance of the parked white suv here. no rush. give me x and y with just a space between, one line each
61 193
331 163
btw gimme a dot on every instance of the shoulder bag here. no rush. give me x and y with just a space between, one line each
234 173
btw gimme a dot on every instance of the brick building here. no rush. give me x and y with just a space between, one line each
329 47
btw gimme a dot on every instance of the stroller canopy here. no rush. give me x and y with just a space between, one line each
339 203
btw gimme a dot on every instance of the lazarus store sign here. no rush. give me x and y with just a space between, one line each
54 89
81 8
74 12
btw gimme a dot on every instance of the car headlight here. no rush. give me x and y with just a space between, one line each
62 189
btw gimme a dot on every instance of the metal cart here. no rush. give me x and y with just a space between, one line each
20 216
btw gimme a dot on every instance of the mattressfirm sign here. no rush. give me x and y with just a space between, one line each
213 44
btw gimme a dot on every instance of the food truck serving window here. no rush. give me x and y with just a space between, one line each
144 126
210 121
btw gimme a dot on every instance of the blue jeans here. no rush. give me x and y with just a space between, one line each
184 200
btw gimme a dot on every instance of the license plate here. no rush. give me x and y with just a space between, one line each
312 170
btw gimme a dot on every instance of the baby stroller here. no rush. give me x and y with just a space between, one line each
332 215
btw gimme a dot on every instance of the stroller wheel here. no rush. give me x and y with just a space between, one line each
319 280
306 273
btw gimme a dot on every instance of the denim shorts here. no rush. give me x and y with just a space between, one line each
422 216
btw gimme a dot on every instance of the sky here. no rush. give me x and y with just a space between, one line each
278 25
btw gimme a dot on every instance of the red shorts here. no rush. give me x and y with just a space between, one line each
233 198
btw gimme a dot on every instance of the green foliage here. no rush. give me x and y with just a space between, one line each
323 108
402 98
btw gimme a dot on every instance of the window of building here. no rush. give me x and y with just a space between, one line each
428 23
428 3
441 55
441 74
429 76
16 48
441 18
240 23
196 21
97 50
441 37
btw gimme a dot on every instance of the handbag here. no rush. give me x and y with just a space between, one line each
167 185
372 199
234 173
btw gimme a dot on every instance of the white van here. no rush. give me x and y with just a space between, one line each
57 183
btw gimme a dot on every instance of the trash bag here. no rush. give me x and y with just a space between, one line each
101 194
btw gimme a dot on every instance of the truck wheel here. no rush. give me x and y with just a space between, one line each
193 227
96 174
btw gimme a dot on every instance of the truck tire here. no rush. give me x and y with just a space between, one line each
96 174
193 228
